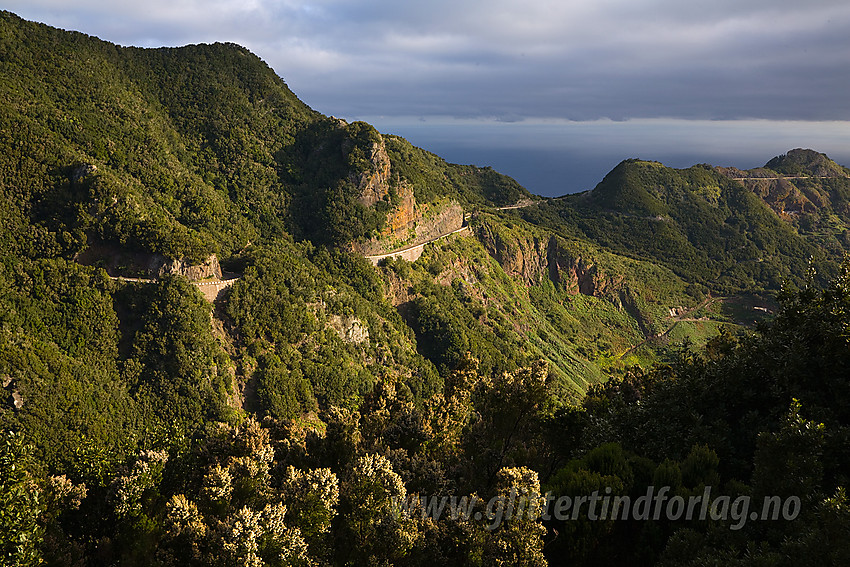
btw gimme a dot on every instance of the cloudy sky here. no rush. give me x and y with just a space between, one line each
552 92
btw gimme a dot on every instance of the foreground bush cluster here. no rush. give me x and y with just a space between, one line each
757 415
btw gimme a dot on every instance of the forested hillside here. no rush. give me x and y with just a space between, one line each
630 336
713 226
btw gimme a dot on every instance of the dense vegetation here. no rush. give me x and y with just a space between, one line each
710 230
181 151
757 415
291 421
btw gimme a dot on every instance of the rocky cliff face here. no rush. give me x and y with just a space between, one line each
575 273
11 395
374 184
425 221
530 259
446 218
208 269
350 329
405 215
374 187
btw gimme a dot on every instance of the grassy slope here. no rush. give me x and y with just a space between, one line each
499 286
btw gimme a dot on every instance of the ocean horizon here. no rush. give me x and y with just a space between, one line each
553 158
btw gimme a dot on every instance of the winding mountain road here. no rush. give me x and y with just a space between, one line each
787 177
529 203
412 252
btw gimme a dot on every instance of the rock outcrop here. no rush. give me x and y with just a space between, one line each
530 259
428 227
208 269
374 184
574 272
407 223
12 396
350 329
445 219
405 215
117 261
82 171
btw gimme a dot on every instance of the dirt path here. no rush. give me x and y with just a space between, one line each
682 317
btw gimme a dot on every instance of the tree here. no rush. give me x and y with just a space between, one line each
517 541
373 532
20 505
506 430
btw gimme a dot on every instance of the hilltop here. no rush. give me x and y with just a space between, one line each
807 190
725 229
189 151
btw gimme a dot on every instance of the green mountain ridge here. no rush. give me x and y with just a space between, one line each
708 225
190 151
806 162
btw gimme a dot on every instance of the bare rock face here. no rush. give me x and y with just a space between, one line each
208 269
82 171
408 226
117 261
531 259
405 215
350 329
576 273
407 222
374 187
11 394
525 259
374 184
446 220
